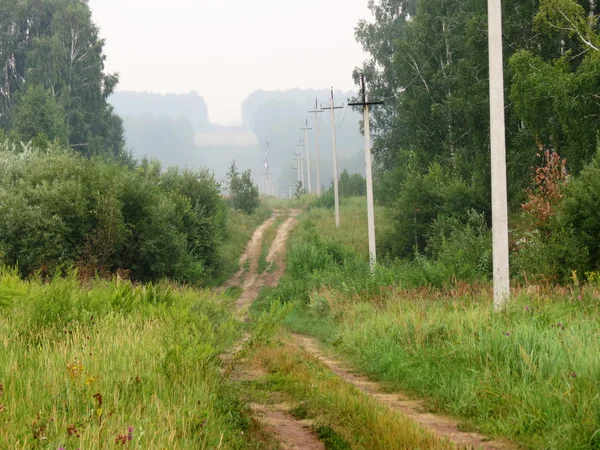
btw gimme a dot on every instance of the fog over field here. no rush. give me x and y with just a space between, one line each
175 128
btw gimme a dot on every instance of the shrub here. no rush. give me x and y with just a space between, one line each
326 200
420 201
58 207
566 232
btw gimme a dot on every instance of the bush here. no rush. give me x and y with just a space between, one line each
580 212
353 185
326 200
569 237
58 207
420 201
463 249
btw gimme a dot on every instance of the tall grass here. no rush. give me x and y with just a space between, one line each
113 363
531 374
353 223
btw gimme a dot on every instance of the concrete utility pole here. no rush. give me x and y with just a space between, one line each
290 187
370 207
316 113
301 159
268 187
305 129
332 108
498 157
297 158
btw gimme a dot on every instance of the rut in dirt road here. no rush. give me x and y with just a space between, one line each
441 426
251 281
250 257
292 434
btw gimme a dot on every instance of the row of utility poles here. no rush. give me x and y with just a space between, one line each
304 151
501 280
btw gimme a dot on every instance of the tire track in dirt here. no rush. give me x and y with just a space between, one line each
442 426
245 277
292 434
251 281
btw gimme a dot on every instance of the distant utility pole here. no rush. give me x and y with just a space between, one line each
370 208
297 158
290 187
498 158
316 112
305 129
301 162
268 186
332 108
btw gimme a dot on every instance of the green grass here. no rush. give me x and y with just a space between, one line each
519 374
531 374
343 417
353 223
268 238
80 365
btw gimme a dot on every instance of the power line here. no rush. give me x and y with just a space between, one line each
343 118
281 148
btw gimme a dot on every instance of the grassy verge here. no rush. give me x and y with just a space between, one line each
114 364
268 238
531 374
342 416
353 223
240 228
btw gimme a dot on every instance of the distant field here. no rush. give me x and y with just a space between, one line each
231 138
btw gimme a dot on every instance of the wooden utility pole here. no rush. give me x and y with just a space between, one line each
369 173
332 108
316 113
498 158
305 129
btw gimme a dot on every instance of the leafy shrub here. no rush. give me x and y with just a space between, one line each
326 200
463 249
353 185
566 235
420 201
581 212
58 207
243 192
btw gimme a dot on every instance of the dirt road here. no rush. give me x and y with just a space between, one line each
291 433
297 434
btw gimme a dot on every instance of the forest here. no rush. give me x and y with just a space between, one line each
428 60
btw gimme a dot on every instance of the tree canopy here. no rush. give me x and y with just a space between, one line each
51 54
428 59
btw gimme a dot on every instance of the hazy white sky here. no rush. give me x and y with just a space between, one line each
225 49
